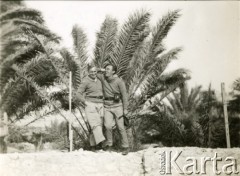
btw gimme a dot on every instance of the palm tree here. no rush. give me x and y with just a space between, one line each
183 106
234 104
140 56
26 44
176 119
210 111
36 66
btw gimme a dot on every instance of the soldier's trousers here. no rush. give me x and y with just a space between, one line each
94 115
111 117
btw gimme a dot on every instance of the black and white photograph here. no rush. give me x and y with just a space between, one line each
119 88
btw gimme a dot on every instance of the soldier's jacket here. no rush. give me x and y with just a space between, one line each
90 88
114 85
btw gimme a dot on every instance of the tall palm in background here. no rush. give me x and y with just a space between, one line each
234 104
210 111
174 122
212 118
183 107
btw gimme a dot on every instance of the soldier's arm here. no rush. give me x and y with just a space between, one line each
81 90
100 72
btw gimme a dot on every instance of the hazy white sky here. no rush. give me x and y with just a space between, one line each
207 31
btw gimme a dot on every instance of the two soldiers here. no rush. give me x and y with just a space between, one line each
105 102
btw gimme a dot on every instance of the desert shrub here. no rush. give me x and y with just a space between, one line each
57 134
15 134
157 127
22 147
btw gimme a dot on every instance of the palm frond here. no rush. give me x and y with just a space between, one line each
24 54
132 34
33 26
157 67
162 86
136 65
13 39
161 30
105 42
22 13
42 115
178 102
41 70
41 92
192 98
27 53
14 95
176 127
16 43
236 84
166 83
7 29
20 58
9 5
35 104
47 44
80 47
173 107
63 71
172 80
72 66
197 133
156 47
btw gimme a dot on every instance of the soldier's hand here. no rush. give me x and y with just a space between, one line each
101 70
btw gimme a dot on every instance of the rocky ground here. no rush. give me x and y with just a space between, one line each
148 162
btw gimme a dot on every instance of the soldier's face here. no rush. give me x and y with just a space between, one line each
93 72
109 71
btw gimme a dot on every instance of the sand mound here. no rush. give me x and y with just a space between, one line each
152 161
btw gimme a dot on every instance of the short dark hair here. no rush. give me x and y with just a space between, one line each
90 66
114 67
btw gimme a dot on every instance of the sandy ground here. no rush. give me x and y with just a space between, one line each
148 162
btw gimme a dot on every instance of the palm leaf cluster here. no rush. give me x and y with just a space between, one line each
192 118
106 40
183 106
138 52
234 104
76 62
178 117
80 48
27 46
140 56
160 127
211 120
33 66
8 5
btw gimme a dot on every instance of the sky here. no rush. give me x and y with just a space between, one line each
208 32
